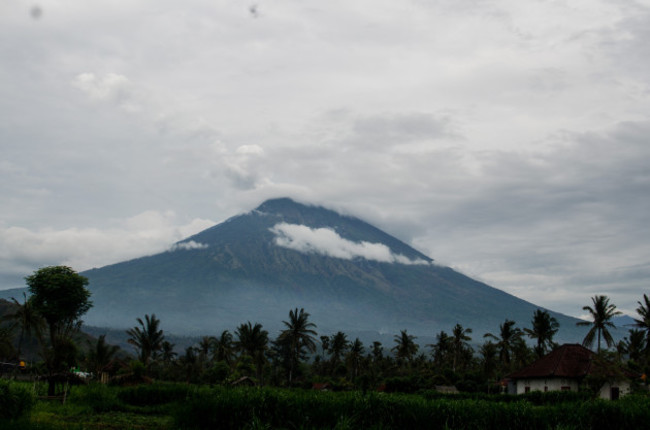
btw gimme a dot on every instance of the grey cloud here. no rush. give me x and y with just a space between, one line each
404 127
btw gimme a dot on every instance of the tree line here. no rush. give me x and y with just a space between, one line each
298 356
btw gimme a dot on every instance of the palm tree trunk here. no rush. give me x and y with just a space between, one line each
599 340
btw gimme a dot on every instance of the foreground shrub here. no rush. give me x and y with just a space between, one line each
15 400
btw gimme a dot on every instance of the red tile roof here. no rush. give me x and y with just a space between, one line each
567 361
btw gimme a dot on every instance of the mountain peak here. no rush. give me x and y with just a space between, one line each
291 211
278 205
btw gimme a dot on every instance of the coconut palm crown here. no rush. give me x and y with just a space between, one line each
601 313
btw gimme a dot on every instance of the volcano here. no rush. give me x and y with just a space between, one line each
347 274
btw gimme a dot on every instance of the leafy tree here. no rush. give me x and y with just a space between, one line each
60 296
544 327
147 339
405 347
508 336
253 341
299 336
601 314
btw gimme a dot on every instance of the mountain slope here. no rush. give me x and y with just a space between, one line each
348 274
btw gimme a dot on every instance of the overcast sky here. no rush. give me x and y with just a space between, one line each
509 140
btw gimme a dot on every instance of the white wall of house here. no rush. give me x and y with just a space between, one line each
550 384
623 388
559 384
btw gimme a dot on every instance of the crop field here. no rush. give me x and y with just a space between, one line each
182 406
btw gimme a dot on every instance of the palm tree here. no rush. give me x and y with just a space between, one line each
522 355
643 323
377 351
253 341
167 354
544 328
6 343
488 352
223 348
190 364
459 339
441 349
325 344
206 345
601 313
634 345
147 339
354 357
337 346
101 354
31 323
508 335
299 336
405 346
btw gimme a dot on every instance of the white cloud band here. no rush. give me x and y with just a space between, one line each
327 242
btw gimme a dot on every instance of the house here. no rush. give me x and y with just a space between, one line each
565 369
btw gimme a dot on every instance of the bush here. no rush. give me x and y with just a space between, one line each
16 401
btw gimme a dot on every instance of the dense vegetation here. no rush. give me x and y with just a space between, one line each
188 406
248 379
